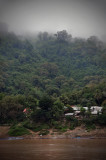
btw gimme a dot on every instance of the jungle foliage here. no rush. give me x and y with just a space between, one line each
48 72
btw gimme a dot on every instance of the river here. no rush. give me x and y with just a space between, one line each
53 149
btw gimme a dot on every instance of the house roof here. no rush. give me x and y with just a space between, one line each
69 114
75 108
96 108
77 111
94 112
86 108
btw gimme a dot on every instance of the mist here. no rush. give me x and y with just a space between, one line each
81 18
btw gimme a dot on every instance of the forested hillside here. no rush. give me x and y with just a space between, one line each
69 69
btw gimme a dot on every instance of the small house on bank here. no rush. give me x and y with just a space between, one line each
95 110
77 112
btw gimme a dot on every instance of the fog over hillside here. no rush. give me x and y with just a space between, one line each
81 18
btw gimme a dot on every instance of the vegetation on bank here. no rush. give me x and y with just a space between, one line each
59 127
18 131
41 75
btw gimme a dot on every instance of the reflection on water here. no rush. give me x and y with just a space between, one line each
53 149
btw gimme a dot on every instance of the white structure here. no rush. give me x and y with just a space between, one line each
86 108
69 114
94 112
75 108
96 109
77 112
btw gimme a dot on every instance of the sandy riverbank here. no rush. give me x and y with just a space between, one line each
99 132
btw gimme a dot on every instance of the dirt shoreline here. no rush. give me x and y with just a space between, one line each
78 132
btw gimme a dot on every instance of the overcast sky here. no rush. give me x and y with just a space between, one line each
79 17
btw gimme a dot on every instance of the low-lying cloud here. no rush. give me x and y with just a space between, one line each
79 17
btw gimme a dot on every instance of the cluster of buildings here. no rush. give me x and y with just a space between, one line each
94 110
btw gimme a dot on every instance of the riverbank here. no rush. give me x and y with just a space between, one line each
99 132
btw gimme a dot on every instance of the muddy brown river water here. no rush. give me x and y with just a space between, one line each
53 149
